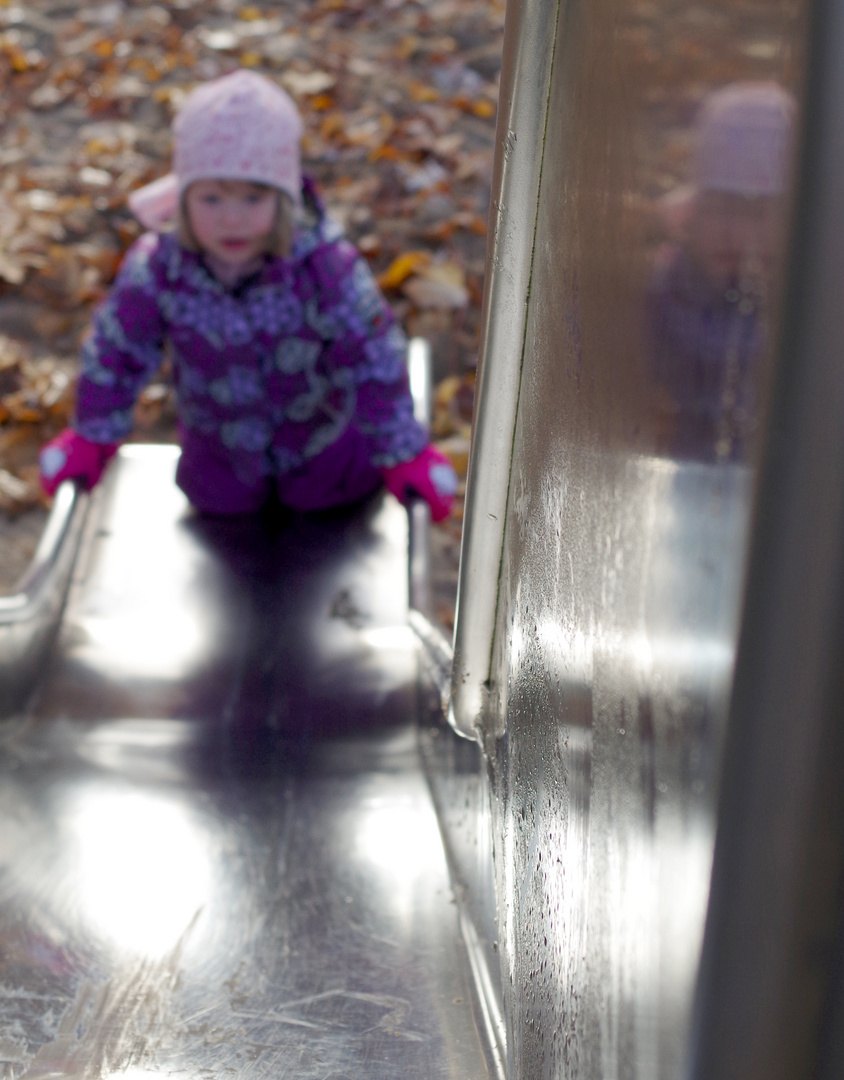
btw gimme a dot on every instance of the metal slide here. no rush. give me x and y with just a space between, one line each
622 854
647 814
219 856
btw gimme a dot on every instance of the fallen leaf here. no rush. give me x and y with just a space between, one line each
23 408
402 267
456 449
219 40
302 83
420 92
423 177
97 178
15 494
370 245
12 270
440 286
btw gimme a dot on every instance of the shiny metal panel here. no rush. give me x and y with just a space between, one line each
219 855
29 617
637 383
464 802
170 611
771 996
158 921
604 785
463 799
469 863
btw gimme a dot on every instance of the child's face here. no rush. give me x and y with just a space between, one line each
231 220
733 235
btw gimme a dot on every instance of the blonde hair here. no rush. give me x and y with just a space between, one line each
280 238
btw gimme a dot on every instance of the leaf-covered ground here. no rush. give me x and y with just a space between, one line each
399 101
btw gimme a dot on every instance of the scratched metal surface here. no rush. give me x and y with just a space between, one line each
605 781
598 673
463 797
212 867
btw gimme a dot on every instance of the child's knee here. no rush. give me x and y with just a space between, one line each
340 475
212 486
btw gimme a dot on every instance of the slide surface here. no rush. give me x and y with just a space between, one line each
219 856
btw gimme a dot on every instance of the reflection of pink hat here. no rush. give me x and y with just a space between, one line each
239 127
744 139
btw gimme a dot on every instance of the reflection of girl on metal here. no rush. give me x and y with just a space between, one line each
709 296
290 370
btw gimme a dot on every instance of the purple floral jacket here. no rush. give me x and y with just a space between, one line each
271 372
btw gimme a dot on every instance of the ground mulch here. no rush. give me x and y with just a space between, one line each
399 102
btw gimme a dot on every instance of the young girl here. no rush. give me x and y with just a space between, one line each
289 368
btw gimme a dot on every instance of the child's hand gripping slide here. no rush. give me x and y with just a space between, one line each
70 456
429 475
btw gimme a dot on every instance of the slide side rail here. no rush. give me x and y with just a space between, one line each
30 616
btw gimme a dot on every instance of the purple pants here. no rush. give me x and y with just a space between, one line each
341 474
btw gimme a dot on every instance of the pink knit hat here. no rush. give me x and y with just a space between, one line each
239 127
744 139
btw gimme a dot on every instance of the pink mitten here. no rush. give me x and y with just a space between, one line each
70 456
429 475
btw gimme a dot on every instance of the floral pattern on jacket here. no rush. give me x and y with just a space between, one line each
271 372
